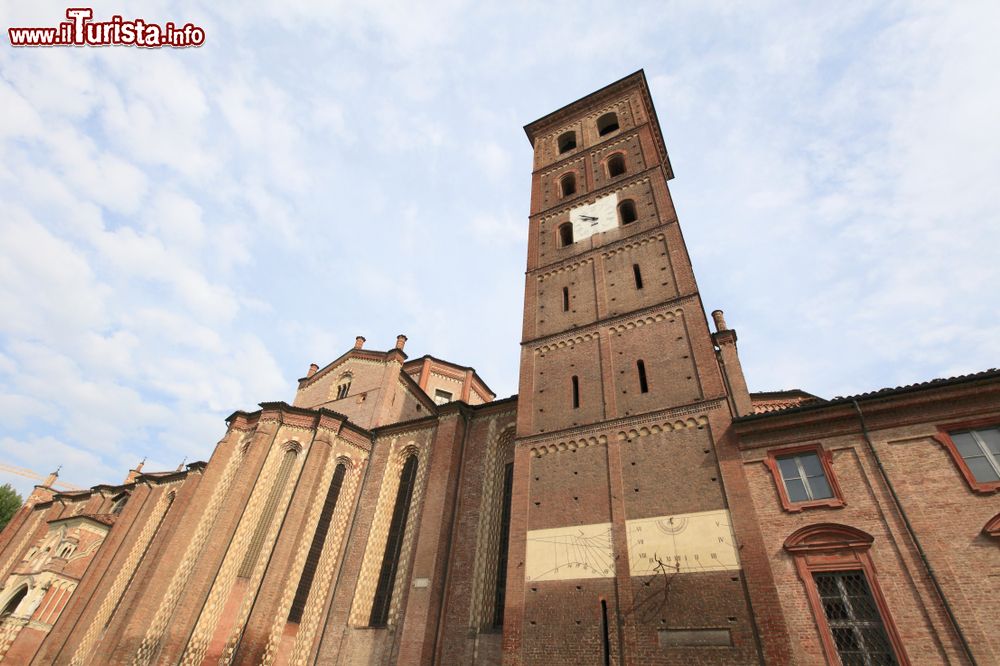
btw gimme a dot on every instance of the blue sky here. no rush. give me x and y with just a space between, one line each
183 231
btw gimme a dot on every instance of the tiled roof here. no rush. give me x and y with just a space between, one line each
992 373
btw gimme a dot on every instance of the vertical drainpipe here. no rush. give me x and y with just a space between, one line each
913 535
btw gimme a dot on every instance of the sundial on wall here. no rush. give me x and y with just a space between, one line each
563 553
684 543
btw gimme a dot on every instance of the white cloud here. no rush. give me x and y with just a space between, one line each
184 231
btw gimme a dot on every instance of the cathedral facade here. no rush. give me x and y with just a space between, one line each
633 504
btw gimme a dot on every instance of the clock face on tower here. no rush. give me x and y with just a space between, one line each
592 218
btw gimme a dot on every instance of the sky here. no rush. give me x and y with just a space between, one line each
183 231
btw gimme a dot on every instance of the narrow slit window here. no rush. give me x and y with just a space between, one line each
605 635
607 123
316 547
616 165
567 142
567 184
626 212
637 273
501 589
643 384
565 299
576 392
566 234
393 545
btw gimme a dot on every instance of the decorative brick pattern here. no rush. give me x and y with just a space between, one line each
27 535
499 449
379 532
150 644
328 558
242 544
100 620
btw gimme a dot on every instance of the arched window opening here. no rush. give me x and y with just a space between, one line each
616 165
14 602
567 184
316 547
343 386
393 545
65 550
567 141
565 299
576 392
501 588
607 123
643 384
267 515
637 274
119 504
566 234
626 212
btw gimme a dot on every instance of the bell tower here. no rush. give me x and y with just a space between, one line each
622 546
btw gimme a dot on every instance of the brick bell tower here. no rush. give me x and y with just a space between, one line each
623 547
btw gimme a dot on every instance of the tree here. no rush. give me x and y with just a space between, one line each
10 502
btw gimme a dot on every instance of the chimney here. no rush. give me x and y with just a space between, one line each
312 369
359 342
134 473
400 341
720 321
51 478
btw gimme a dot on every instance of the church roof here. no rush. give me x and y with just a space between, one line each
888 392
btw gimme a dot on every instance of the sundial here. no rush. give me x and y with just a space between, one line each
684 543
563 553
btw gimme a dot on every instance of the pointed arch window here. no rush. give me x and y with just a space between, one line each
316 547
607 123
119 504
267 515
501 587
394 545
14 602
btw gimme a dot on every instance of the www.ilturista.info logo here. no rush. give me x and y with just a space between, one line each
80 30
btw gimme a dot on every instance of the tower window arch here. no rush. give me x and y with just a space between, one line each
394 544
566 234
607 123
567 142
616 165
576 392
344 385
626 212
567 184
